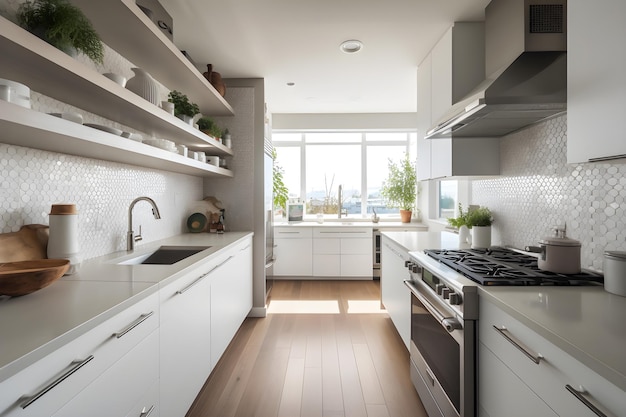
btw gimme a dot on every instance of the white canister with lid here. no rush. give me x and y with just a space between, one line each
615 272
63 240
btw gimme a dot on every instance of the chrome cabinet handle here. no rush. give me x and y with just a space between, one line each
503 332
146 413
134 324
77 365
201 277
579 394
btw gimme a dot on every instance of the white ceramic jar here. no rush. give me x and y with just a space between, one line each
615 272
144 86
63 240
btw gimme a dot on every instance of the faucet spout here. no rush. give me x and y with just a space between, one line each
339 199
131 238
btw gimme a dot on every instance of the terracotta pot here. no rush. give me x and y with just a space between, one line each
405 216
215 78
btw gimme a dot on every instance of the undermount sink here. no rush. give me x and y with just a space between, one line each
165 255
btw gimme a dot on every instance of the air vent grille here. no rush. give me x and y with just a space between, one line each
547 18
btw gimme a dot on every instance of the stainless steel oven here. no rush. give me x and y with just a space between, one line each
443 339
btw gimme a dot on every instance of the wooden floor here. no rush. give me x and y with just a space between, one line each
324 350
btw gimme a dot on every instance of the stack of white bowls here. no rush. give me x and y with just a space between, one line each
15 93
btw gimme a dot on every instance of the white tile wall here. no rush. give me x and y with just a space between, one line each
538 189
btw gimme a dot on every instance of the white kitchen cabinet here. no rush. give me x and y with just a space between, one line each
395 295
231 298
455 65
26 57
345 252
54 381
293 251
515 356
596 85
326 257
185 340
117 390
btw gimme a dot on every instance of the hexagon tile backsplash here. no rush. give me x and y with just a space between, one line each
538 190
32 180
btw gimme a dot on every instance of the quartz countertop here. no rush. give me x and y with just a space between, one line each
34 325
586 322
355 223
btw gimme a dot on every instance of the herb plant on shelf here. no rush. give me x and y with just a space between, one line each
62 25
182 105
209 127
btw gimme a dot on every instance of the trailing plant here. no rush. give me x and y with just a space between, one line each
460 220
182 105
62 25
279 189
480 216
400 187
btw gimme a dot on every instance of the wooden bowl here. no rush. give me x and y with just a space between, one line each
24 277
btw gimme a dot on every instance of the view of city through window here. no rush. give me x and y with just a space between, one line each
316 164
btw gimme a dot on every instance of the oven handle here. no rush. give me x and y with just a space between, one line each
449 323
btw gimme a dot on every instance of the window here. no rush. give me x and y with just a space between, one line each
316 163
448 198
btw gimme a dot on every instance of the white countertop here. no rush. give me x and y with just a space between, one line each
586 322
355 223
36 324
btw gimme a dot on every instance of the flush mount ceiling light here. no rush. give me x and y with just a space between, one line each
351 46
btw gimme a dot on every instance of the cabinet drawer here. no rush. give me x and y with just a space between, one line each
292 232
555 370
44 387
117 390
356 266
148 405
357 246
342 232
326 265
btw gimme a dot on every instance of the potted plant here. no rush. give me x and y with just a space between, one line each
62 25
480 220
209 127
183 108
461 223
400 187
279 189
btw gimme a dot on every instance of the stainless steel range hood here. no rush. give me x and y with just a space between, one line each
525 44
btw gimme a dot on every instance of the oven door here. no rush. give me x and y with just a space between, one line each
442 363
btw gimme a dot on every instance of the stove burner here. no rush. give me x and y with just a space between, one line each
501 266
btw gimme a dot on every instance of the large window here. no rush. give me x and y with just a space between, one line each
315 164
448 198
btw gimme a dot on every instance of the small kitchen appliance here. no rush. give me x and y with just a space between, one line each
444 313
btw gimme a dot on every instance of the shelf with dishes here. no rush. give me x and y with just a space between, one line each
123 26
49 71
25 127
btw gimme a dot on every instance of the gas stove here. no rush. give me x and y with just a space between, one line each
502 266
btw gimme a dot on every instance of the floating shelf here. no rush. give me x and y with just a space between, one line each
124 27
29 128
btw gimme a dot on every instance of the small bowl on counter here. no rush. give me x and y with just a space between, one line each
25 277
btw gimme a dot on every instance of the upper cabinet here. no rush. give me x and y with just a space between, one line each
46 70
454 66
596 85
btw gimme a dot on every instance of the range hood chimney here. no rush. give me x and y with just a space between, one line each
526 67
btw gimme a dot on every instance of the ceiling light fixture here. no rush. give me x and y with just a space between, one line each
351 46
290 84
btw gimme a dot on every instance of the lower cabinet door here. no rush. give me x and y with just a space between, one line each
119 388
293 257
357 265
148 404
326 265
502 393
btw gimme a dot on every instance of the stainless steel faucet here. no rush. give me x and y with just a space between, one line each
340 202
131 238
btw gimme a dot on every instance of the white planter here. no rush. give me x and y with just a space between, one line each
481 237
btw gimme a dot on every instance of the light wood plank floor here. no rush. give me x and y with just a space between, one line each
324 350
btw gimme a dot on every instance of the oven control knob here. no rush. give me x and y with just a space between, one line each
445 293
416 268
407 264
455 299
439 288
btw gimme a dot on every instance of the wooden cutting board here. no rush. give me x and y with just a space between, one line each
28 244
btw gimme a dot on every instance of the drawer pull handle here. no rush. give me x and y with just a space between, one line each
134 324
145 413
504 332
77 365
578 394
201 277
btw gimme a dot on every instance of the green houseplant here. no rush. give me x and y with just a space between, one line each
208 126
400 187
183 108
279 189
62 25
480 220
460 220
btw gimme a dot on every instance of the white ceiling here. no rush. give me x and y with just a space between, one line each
298 41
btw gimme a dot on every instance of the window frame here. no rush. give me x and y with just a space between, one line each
406 143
